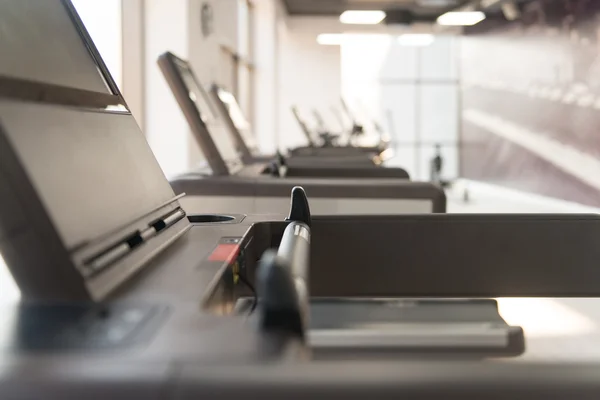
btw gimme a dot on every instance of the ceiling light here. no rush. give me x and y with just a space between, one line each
330 39
358 17
416 39
461 18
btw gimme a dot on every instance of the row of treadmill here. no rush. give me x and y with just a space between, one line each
312 274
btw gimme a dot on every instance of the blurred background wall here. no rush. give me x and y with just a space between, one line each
531 101
514 103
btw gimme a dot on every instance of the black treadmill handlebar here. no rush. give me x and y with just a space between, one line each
282 284
295 250
299 208
283 277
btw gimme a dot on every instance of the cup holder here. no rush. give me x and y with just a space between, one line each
210 219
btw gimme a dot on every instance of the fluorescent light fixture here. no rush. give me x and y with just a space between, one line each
461 18
330 39
358 17
416 39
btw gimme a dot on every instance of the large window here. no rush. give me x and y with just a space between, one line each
410 89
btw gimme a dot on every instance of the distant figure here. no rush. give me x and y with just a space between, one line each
437 163
466 195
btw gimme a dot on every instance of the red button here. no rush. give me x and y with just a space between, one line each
225 252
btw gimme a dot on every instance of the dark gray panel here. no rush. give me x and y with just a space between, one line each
350 188
31 247
328 161
195 185
346 172
36 33
12 215
456 256
39 267
94 172
343 151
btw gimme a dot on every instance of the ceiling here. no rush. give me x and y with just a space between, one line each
425 9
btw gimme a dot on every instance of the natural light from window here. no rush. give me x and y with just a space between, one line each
9 292
102 18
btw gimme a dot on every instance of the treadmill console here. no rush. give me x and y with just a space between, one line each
86 203
194 101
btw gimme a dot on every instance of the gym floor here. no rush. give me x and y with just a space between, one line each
485 198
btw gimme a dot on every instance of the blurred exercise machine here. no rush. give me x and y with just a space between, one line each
328 144
234 186
182 81
243 141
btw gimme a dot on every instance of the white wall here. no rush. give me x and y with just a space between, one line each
204 52
291 68
309 74
268 16
211 64
166 130
364 58
175 25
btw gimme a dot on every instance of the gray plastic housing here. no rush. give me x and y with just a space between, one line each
80 189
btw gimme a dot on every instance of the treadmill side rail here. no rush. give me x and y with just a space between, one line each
454 255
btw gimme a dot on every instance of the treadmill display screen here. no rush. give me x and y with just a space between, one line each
196 93
214 127
237 116
30 54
